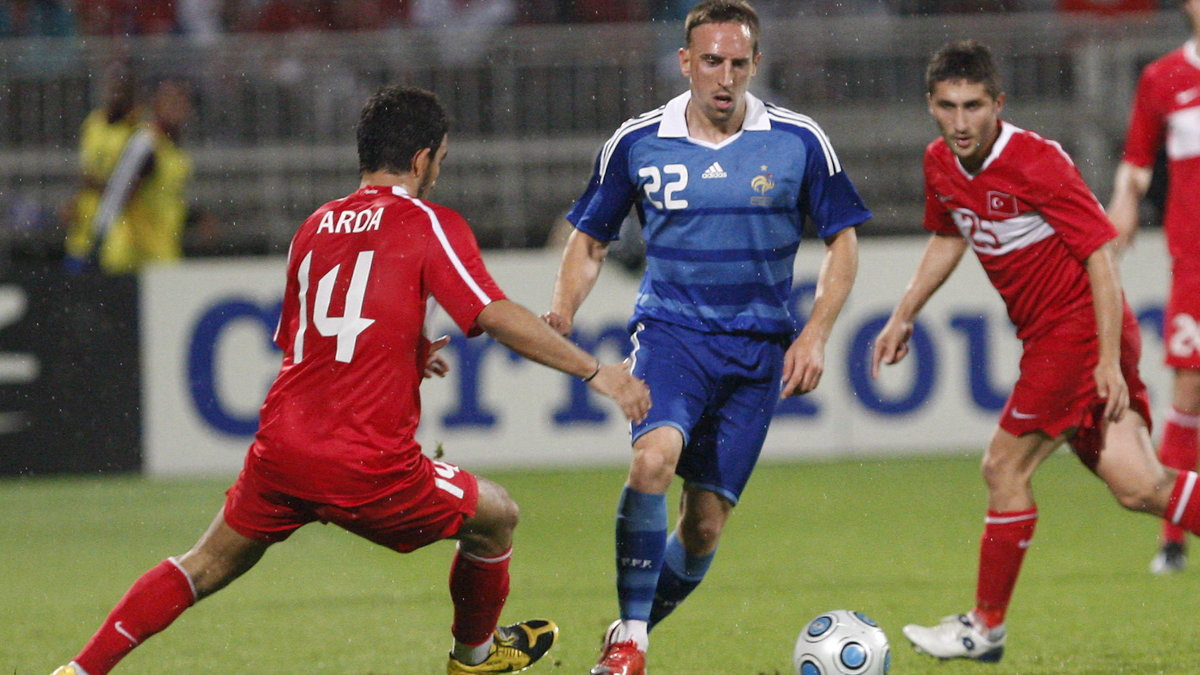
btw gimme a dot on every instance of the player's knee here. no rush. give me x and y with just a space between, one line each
1141 498
651 471
510 514
998 473
701 536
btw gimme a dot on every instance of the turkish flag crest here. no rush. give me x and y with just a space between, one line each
1001 204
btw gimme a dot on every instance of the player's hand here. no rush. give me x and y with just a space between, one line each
559 323
631 394
1111 386
434 363
803 365
891 345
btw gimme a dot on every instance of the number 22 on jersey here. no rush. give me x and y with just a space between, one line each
347 327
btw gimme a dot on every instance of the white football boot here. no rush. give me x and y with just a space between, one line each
1170 558
957 637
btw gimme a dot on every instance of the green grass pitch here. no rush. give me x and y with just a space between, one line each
896 539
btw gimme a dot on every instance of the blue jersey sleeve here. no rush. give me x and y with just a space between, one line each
608 197
828 196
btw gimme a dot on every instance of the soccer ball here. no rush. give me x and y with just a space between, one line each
842 642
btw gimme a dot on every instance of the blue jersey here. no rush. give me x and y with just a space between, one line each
722 222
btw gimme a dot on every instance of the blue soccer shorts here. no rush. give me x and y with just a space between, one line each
719 390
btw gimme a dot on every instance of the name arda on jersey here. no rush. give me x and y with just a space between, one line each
349 222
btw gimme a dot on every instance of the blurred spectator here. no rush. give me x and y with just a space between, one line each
283 16
611 11
127 17
926 7
1109 7
544 11
469 23
102 138
36 18
200 19
141 211
370 14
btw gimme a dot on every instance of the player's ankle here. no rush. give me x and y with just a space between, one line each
471 655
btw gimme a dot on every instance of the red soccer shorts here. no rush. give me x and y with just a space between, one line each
414 515
1056 390
1181 322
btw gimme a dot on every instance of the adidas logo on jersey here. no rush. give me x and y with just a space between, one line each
714 171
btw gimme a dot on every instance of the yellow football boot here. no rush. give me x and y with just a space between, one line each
514 648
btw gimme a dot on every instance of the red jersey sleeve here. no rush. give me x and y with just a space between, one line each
937 216
1146 122
1058 192
454 270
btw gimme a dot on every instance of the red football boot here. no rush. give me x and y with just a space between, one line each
621 658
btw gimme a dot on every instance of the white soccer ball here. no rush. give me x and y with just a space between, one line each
842 642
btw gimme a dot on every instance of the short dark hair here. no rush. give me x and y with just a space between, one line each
396 123
966 60
722 11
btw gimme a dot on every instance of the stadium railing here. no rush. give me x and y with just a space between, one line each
531 105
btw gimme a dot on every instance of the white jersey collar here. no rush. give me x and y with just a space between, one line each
1006 133
1189 53
674 119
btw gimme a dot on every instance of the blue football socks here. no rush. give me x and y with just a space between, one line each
641 542
680 575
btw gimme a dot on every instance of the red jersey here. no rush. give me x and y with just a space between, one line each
1031 220
338 423
1166 108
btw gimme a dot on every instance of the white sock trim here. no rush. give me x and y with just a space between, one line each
78 668
1185 496
191 584
636 630
477 558
1005 520
473 655
1182 419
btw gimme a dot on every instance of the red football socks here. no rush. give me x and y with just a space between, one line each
478 588
1006 536
150 605
1179 448
1183 508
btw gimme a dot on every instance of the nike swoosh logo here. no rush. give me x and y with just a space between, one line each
1020 415
1186 97
121 629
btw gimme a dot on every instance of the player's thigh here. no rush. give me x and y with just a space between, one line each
1010 457
433 505
1129 467
489 531
258 511
729 438
674 363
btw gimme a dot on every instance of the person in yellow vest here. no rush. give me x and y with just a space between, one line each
141 213
103 136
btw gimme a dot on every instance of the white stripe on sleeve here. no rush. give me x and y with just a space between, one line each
450 252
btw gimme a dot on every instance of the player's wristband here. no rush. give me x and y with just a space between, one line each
595 372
